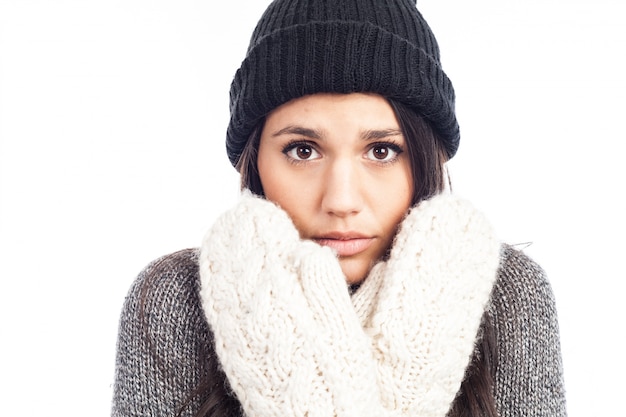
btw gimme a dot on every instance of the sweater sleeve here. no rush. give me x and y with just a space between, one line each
529 376
164 364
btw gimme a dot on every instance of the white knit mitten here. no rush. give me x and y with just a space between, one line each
284 327
422 308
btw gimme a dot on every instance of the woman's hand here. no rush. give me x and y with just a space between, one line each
285 330
422 307
293 342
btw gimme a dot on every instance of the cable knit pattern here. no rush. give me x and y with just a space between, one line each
291 342
166 347
431 297
285 331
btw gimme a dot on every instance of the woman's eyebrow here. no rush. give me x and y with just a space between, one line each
300 131
377 134
367 135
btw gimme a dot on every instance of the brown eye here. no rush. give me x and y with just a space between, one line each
384 152
304 152
301 152
380 152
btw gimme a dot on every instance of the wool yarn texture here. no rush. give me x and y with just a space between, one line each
302 47
291 339
285 349
422 307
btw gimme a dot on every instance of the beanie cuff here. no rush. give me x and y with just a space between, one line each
338 57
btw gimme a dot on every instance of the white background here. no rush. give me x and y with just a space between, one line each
112 124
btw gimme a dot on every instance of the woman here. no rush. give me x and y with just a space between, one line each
346 281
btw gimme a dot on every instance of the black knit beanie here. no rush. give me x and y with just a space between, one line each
302 47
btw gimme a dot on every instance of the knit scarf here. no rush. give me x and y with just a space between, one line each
292 341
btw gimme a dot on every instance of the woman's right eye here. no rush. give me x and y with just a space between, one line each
301 152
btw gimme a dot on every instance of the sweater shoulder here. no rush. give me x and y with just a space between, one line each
522 302
173 272
522 284
162 340
163 307
529 372
165 294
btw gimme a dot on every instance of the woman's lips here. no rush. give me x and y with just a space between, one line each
346 246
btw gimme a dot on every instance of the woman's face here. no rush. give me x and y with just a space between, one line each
337 164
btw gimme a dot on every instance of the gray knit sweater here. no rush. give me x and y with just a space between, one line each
165 348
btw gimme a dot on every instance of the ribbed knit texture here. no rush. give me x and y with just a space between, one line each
302 47
162 357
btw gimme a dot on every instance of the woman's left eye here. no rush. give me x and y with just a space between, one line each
383 152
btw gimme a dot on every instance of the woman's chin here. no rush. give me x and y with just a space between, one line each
355 270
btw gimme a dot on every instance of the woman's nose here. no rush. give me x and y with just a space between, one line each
342 195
